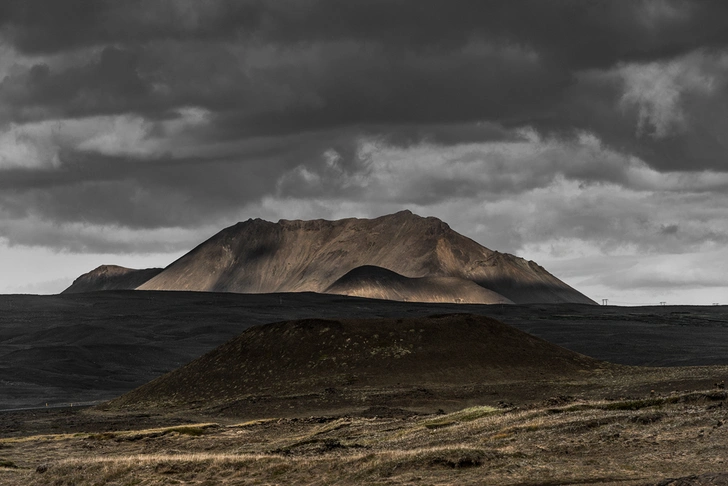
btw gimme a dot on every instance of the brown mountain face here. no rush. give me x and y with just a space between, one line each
311 357
258 256
379 283
111 277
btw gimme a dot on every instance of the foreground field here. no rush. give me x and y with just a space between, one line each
561 440
444 399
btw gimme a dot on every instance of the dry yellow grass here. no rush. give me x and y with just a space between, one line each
617 442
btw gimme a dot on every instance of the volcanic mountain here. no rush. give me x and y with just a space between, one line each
310 359
258 256
111 277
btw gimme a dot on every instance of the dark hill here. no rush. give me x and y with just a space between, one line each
379 283
295 256
313 356
111 277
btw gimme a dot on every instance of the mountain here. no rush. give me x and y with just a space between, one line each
111 277
361 360
258 256
379 283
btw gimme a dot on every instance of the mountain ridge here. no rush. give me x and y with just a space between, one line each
258 256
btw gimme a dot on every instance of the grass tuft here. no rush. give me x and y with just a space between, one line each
466 415
634 404
193 431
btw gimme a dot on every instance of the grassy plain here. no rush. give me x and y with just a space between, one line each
559 440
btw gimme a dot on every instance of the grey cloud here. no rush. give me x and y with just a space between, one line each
594 102
111 84
321 87
573 31
163 191
45 26
149 195
286 86
641 276
405 135
407 58
100 239
152 81
645 224
274 68
562 222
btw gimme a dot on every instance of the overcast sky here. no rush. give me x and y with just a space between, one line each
589 136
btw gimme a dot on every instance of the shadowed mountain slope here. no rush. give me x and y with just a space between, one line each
258 256
310 356
111 277
379 283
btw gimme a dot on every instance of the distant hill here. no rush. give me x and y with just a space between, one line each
111 277
258 256
316 357
379 283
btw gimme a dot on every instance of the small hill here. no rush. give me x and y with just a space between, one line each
379 283
111 277
258 256
304 358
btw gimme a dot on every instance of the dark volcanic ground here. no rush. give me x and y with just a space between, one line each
86 347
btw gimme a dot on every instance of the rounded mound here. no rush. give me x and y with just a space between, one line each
314 356
380 283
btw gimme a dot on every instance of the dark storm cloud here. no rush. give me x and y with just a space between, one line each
349 62
595 103
582 33
288 89
320 87
149 81
108 85
165 190
347 85
148 195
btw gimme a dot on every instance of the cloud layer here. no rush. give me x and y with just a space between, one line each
558 129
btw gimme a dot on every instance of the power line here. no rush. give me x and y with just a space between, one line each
633 303
661 303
